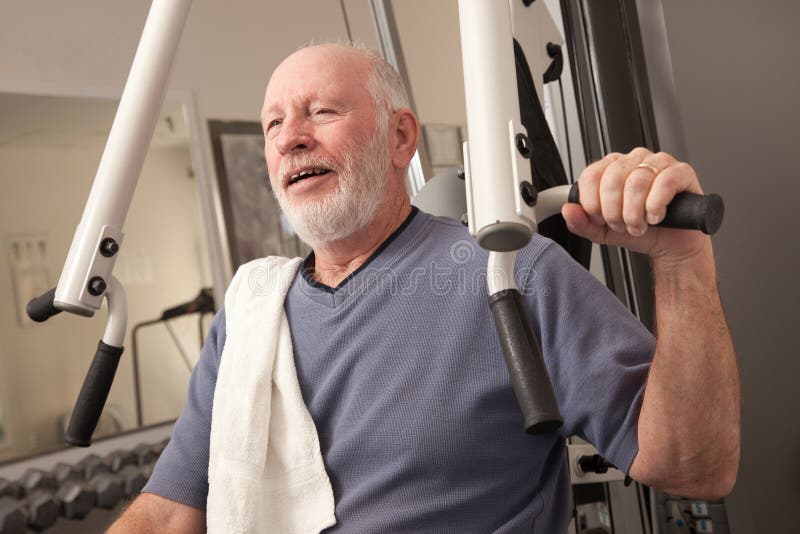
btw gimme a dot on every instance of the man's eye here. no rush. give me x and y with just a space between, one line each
274 122
323 111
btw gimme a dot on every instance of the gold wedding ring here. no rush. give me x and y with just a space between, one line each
649 167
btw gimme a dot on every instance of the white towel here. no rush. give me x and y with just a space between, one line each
265 467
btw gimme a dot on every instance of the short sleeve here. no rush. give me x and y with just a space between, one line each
597 352
181 473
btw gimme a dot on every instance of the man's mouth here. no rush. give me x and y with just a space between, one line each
308 173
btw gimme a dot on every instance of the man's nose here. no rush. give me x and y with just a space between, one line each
295 135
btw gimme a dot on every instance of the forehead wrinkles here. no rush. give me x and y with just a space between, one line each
327 76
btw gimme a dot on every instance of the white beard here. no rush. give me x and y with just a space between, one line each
363 172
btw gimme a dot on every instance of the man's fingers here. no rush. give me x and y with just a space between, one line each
611 193
669 182
636 189
626 192
622 194
579 223
589 185
612 187
637 186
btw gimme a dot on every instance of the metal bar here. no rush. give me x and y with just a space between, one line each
123 157
593 124
658 68
580 69
389 41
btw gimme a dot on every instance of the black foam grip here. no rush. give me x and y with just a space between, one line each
93 395
41 308
525 363
688 211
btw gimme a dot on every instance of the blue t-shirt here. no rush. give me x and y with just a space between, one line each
403 375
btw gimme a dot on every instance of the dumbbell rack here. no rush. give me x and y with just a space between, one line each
58 491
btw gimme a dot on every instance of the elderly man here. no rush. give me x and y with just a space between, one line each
417 423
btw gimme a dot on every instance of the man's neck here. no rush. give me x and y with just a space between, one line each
334 261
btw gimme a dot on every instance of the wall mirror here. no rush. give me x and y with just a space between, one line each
50 147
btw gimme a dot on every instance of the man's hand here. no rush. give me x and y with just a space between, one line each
623 193
688 426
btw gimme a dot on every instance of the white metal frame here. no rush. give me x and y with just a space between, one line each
123 157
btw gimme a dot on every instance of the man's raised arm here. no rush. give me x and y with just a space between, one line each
151 513
688 427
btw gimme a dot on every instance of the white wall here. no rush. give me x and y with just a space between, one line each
431 42
162 264
735 65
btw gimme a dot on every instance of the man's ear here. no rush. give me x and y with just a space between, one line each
404 140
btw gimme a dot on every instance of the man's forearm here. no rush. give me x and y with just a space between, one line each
151 513
689 421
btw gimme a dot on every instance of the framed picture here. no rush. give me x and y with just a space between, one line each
253 220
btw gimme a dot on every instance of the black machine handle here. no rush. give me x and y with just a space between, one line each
525 363
41 308
688 211
93 395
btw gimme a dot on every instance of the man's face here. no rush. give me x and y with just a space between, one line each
327 161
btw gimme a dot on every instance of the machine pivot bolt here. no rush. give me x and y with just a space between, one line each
529 193
594 464
96 286
524 145
108 247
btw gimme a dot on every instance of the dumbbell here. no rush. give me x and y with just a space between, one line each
76 499
13 519
91 466
145 453
64 473
37 511
120 459
11 489
34 480
42 510
28 503
110 489
73 499
134 478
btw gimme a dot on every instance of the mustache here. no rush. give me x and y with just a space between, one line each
304 159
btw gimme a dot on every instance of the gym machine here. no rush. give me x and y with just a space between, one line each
87 279
202 304
504 207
